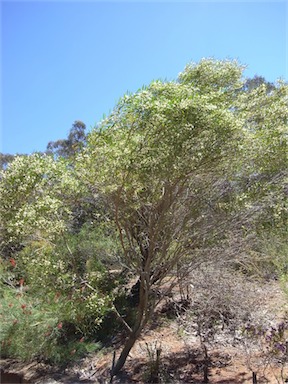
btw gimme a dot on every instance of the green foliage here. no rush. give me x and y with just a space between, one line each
61 282
75 257
265 160
273 249
35 192
265 116
74 273
163 132
156 147
55 289
47 272
94 247
221 77
33 328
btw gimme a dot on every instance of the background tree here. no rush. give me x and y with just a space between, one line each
255 82
55 272
5 159
69 147
262 178
33 191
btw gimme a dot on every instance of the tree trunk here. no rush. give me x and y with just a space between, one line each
206 364
141 321
125 352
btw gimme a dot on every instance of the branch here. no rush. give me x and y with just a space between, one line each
113 308
126 325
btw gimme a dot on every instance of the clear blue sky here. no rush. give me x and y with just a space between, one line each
65 61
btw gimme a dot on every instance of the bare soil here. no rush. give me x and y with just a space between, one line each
181 359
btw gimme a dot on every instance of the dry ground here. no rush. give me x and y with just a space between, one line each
181 360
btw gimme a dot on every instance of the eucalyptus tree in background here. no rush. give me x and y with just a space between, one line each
69 147
156 160
5 159
255 82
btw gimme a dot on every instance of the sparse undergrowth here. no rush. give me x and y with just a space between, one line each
170 350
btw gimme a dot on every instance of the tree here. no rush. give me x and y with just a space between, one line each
153 159
255 82
262 177
69 147
5 159
44 264
37 194
265 118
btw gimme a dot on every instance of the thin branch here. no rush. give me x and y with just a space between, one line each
113 308
126 325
